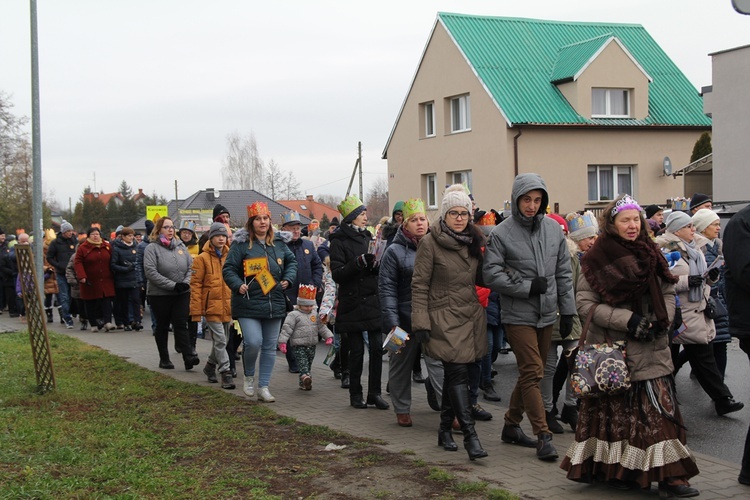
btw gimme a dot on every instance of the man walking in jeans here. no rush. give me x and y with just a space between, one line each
527 263
58 255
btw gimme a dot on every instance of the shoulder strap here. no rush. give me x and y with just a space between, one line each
589 317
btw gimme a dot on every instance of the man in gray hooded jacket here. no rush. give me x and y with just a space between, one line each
527 263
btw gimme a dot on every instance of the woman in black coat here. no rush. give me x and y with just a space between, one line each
356 272
127 305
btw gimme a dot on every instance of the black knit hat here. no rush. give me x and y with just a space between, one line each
220 209
334 221
698 199
149 227
652 209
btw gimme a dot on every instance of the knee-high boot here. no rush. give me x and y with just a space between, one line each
445 437
459 395
193 337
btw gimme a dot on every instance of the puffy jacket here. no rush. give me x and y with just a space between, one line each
712 250
166 266
303 329
60 251
309 267
646 360
394 282
445 301
281 265
700 329
123 264
140 274
359 305
92 264
523 248
209 295
737 275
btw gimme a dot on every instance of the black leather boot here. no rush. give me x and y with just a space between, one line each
459 395
545 450
356 401
514 435
377 401
50 318
445 437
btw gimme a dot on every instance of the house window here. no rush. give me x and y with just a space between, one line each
428 119
460 113
431 190
606 182
610 103
462 177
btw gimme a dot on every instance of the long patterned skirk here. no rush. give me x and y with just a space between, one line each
638 436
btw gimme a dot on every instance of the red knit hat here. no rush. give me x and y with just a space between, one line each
560 221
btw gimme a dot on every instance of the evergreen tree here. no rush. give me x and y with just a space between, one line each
702 147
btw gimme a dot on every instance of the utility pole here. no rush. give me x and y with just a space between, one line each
357 165
36 146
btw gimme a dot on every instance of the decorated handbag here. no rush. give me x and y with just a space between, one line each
597 369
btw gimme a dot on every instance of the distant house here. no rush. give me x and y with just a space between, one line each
593 107
311 208
199 207
139 197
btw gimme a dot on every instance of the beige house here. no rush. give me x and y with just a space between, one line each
595 108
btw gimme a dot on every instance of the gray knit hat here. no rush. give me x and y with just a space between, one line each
677 220
455 196
66 226
217 229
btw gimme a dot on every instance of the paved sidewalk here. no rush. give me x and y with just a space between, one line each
514 468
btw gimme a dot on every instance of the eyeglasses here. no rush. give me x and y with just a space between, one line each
168 228
458 215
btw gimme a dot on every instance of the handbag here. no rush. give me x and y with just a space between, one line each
597 369
289 305
715 309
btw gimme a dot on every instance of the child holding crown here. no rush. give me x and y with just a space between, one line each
301 329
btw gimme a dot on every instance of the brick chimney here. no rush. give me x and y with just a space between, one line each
310 197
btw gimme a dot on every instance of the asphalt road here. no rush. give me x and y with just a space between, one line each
722 437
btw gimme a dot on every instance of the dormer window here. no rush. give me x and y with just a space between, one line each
610 103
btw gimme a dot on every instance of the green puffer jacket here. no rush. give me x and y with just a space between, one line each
281 264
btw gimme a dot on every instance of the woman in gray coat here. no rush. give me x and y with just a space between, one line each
446 314
167 265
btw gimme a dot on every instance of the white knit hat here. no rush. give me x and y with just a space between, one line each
703 218
455 196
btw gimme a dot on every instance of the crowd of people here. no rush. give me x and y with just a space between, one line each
468 286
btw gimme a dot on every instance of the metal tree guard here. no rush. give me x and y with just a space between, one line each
36 320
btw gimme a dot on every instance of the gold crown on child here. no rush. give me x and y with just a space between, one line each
307 292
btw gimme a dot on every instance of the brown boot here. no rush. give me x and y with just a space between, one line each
227 382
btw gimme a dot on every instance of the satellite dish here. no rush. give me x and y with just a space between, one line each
667 166
741 6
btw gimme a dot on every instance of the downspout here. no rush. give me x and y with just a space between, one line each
515 151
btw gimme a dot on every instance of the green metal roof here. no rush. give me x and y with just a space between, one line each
517 59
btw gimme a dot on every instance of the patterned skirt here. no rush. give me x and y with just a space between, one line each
638 436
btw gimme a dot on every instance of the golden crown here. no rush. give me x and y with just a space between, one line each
350 203
412 206
307 292
258 208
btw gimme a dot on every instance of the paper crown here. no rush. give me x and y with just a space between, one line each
189 225
349 204
506 205
582 222
680 204
313 225
258 208
290 218
306 295
487 219
411 207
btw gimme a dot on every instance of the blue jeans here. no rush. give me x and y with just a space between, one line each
63 297
259 336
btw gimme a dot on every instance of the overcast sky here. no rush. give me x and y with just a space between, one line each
147 91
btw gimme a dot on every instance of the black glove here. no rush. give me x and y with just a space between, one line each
538 286
638 328
478 214
421 336
129 264
181 287
677 322
695 280
566 325
713 274
366 261
498 216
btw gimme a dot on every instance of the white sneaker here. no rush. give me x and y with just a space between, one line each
249 386
265 395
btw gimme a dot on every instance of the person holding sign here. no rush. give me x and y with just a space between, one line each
259 267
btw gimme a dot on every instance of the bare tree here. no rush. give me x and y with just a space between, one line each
328 199
242 167
274 179
377 201
291 188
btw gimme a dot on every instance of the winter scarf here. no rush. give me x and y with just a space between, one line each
464 237
623 271
697 263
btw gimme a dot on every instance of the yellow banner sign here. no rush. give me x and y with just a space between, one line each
266 281
156 212
255 265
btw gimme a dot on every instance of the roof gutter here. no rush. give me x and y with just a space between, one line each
515 150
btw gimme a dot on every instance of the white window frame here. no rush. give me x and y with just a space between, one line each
431 193
617 190
609 95
460 114
429 119
460 177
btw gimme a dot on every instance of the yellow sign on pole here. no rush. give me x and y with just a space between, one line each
156 212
